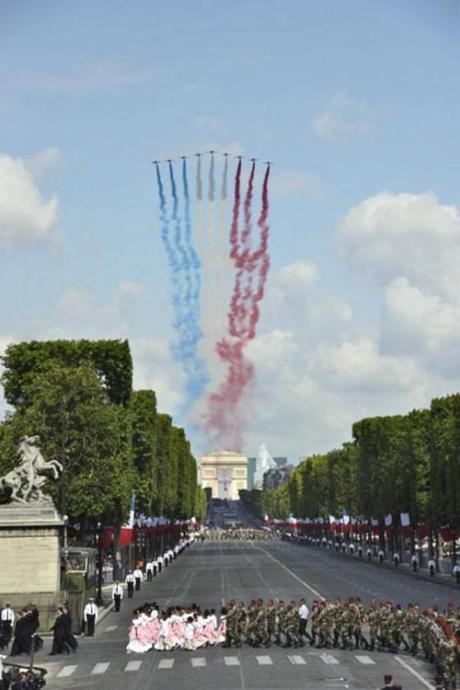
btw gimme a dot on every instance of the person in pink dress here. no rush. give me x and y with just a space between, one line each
222 627
189 635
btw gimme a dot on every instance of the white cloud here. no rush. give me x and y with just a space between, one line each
154 368
25 216
75 304
358 365
206 122
391 235
44 162
108 76
297 275
5 340
129 288
344 117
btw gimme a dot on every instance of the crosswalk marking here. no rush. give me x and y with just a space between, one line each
231 661
328 659
66 671
366 660
198 661
166 663
109 628
133 665
264 660
100 668
296 659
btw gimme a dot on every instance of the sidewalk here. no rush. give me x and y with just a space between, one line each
404 568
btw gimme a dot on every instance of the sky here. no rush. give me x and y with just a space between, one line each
357 103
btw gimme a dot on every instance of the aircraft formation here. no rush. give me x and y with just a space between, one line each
212 152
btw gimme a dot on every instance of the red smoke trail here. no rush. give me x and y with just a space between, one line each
225 417
235 213
246 234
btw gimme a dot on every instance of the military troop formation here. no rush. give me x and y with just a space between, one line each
239 534
259 624
340 624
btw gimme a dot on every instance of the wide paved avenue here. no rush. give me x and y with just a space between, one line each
213 572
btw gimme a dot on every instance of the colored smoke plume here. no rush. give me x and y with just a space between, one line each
224 420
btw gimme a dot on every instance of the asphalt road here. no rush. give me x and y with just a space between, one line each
213 572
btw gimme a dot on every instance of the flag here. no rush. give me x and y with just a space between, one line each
405 520
388 520
374 522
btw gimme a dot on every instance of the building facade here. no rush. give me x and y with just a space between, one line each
275 478
225 473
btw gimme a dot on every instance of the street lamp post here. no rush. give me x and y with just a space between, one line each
99 558
65 519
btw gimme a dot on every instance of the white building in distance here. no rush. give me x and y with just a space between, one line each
225 473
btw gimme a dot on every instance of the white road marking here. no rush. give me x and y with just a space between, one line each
133 665
328 659
166 663
365 660
66 671
264 661
100 668
414 673
296 577
297 659
198 661
109 628
231 661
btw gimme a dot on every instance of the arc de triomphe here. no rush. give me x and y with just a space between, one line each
225 473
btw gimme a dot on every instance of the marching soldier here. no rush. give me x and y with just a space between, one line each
270 612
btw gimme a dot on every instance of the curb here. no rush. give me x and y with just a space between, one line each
403 568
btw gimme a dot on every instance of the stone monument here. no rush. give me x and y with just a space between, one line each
30 529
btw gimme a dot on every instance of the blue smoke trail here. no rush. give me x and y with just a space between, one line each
194 259
185 300
198 377
185 278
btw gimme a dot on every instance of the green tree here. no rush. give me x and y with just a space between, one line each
111 359
69 410
144 448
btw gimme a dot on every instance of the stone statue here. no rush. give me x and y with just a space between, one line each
23 484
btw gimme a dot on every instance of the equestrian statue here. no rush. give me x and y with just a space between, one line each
24 483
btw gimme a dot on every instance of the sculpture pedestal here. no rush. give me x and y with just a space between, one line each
29 556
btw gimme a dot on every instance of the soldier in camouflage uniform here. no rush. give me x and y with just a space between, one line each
373 620
325 623
337 622
315 612
412 627
292 626
261 625
270 612
242 621
347 620
446 663
385 626
251 634
232 631
281 613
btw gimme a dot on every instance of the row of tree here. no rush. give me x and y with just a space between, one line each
112 442
406 464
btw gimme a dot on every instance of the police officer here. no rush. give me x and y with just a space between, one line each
117 595
90 614
130 580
